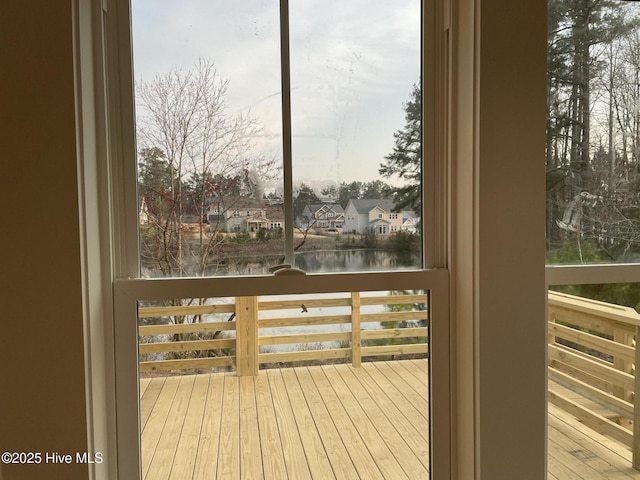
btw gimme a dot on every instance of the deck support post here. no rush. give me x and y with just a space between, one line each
246 336
356 350
625 337
636 406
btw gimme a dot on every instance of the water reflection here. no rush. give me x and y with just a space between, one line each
354 261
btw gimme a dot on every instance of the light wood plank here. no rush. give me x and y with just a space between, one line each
285 357
294 456
170 329
229 448
185 457
304 321
562 437
416 399
592 419
414 429
163 458
187 346
188 364
247 336
395 299
419 385
207 455
395 333
591 435
250 454
179 310
356 447
394 349
336 450
393 438
144 383
603 345
314 449
148 400
396 397
380 451
272 454
308 302
304 338
356 332
395 316
152 434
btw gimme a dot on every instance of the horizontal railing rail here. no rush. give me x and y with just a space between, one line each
592 357
262 330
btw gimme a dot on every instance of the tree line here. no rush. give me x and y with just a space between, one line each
593 130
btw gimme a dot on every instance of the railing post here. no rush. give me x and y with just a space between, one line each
356 352
246 336
625 338
636 406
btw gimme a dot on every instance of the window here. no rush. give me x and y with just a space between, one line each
346 95
593 131
331 82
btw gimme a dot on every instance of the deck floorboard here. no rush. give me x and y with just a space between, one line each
331 421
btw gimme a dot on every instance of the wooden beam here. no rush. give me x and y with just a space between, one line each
246 336
356 347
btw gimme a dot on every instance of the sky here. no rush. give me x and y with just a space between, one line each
353 63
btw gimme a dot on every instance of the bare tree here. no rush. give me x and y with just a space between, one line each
184 114
193 153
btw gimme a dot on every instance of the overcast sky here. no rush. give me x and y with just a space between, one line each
353 63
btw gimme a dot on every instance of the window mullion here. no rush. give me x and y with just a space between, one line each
285 74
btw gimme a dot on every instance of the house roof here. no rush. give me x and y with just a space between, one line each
365 205
336 207
378 221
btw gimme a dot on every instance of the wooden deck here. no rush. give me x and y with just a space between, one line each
325 422
576 452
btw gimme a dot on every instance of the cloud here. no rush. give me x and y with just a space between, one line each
353 63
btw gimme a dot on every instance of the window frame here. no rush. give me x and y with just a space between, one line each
128 288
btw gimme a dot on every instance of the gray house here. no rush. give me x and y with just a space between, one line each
324 215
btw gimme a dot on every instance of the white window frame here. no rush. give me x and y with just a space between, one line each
103 50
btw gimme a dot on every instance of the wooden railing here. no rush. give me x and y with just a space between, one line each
592 357
232 333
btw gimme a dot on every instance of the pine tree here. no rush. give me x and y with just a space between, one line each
405 162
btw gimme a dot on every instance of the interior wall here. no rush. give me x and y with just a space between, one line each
42 391
497 257
510 202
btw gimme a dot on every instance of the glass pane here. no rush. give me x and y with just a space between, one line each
593 132
269 385
209 130
356 126
592 341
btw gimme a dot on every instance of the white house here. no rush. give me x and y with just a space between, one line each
409 221
373 214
